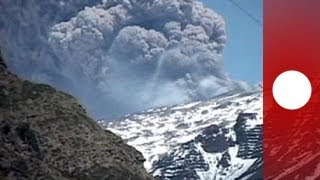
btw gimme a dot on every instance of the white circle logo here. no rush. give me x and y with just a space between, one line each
292 90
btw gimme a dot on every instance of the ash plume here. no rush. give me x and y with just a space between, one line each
119 56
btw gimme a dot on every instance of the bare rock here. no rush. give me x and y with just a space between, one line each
46 134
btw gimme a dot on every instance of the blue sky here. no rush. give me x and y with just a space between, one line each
243 52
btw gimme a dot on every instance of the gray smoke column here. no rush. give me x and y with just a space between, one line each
119 56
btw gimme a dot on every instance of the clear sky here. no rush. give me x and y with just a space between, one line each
243 52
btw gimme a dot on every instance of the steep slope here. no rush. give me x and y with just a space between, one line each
46 134
216 139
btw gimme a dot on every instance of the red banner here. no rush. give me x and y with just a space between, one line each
291 42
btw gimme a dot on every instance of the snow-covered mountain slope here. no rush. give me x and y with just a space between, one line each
216 139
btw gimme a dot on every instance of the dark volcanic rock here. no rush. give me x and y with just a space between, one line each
250 144
176 166
208 156
248 138
46 134
213 139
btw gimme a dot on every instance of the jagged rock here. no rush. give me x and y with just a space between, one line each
46 134
225 160
208 155
223 143
213 139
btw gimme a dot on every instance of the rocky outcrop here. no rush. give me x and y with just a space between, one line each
217 154
198 140
46 134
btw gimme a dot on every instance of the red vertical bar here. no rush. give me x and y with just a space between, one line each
291 42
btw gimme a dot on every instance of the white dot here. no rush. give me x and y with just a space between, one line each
292 90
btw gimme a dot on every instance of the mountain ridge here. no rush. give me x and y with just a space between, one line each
46 134
210 133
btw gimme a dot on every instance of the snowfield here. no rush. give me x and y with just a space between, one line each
181 132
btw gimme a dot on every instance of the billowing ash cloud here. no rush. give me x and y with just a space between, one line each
119 56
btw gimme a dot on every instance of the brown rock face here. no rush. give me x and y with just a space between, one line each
46 134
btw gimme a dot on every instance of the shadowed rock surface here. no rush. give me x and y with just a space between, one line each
211 152
46 134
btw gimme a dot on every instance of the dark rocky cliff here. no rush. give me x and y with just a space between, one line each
199 157
46 134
